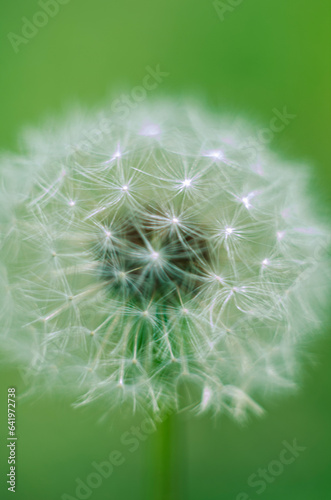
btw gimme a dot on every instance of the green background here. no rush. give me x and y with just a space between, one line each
263 55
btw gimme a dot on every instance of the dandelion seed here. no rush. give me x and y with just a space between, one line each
117 153
206 396
215 153
187 183
150 130
245 201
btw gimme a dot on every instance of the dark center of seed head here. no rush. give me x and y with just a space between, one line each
144 262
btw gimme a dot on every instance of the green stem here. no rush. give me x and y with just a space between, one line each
170 460
164 466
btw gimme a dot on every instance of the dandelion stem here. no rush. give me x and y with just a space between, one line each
170 459
163 469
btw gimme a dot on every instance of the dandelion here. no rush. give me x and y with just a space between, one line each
158 257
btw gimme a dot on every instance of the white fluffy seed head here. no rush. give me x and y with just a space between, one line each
157 255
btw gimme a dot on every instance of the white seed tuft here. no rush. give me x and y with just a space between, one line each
158 256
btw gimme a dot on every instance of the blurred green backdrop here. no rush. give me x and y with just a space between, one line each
261 56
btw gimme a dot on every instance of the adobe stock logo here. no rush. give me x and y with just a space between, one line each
223 7
102 471
263 477
31 27
254 145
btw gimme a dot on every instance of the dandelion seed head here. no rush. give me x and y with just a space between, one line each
130 265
